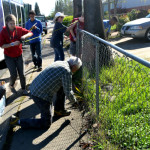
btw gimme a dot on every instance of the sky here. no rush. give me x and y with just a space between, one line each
46 6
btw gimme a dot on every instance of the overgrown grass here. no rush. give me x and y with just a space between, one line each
124 103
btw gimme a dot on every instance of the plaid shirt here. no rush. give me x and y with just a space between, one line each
51 79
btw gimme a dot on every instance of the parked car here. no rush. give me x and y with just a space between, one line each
46 24
139 28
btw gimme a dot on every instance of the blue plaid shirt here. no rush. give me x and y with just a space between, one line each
51 79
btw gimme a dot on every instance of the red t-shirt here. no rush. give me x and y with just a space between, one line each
14 51
81 26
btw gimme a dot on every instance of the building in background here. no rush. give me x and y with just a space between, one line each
127 4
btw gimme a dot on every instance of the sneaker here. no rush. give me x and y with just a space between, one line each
14 120
62 113
24 92
13 90
40 68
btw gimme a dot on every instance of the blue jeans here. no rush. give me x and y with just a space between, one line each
46 117
36 49
59 54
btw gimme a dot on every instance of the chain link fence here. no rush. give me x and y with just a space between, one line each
116 86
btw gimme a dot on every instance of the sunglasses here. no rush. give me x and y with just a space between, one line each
62 17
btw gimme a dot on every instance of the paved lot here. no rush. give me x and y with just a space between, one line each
138 47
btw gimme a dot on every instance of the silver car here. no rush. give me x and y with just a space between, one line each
139 28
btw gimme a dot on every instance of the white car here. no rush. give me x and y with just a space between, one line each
45 24
139 28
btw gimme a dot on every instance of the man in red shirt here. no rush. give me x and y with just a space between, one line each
73 33
10 39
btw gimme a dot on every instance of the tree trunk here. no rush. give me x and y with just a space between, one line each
115 7
77 6
93 17
109 13
94 24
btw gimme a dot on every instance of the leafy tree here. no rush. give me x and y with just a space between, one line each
37 9
64 6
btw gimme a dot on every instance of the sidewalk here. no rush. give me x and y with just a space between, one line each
64 134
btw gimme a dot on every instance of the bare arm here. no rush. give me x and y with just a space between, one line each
72 26
11 44
73 35
6 45
26 36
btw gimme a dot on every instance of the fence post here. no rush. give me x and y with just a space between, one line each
97 77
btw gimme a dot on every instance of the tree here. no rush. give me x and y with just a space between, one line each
115 7
77 5
94 24
64 6
93 17
37 9
109 12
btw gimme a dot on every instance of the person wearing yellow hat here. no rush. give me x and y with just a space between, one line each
57 36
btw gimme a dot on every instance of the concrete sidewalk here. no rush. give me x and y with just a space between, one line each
64 134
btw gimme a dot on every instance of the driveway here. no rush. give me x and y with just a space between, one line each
138 47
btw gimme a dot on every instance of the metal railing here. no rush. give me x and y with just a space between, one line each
116 85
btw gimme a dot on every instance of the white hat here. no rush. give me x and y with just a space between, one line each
58 14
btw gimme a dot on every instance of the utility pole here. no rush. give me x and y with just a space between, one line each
77 6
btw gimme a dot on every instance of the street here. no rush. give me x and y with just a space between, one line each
138 47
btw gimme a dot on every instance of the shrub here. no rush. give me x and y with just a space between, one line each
142 14
67 20
122 20
133 14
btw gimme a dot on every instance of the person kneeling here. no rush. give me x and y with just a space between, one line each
50 81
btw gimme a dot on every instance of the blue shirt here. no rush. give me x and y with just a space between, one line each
107 25
57 36
36 32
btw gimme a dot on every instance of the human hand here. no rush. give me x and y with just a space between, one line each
75 39
16 43
65 37
34 27
23 38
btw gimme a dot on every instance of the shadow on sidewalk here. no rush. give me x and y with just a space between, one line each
30 135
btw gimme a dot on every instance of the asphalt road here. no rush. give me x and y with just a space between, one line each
138 47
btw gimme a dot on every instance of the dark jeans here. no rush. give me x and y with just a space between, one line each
45 109
16 65
59 54
36 49
46 117
60 100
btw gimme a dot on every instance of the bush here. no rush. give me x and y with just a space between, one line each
122 20
142 14
67 20
133 14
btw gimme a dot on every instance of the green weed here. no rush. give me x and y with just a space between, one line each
124 103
